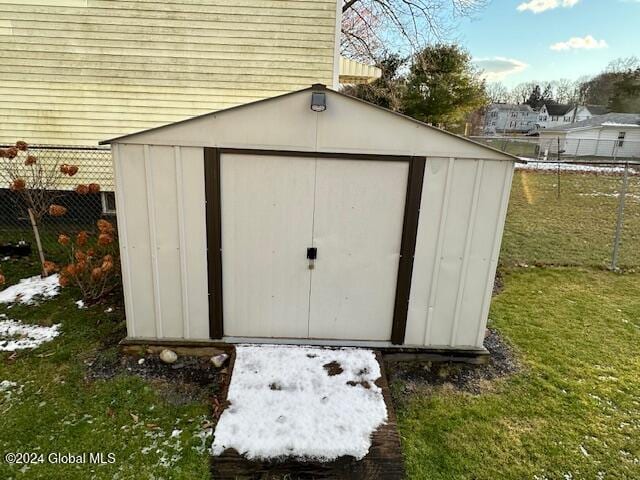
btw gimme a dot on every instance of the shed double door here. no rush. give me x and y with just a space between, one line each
276 208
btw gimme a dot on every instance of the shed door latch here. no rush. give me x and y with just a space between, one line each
312 254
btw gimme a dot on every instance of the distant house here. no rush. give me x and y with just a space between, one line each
585 112
613 135
509 118
552 115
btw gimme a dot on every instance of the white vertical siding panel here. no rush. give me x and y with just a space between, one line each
153 244
454 226
195 231
431 206
495 251
132 178
182 239
435 273
482 243
163 214
471 225
125 266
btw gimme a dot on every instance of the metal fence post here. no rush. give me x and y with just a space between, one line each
558 181
619 222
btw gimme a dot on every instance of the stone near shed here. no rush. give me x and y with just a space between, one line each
168 356
218 360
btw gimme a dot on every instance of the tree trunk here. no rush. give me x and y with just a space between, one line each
36 233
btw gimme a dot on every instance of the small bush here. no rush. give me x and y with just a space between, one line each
94 265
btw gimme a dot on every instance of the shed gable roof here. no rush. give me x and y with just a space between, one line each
286 122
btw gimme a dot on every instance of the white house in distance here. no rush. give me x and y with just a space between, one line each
509 118
614 135
554 115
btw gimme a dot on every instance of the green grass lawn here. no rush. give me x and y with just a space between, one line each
573 412
575 229
57 409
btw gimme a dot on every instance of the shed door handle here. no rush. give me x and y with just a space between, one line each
312 254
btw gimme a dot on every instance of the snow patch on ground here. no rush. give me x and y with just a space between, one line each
80 304
566 167
9 389
285 403
30 289
15 335
604 194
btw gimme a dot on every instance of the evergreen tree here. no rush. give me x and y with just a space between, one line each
443 86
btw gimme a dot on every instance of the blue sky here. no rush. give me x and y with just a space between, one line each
564 39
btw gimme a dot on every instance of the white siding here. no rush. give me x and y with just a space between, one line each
78 71
459 232
163 248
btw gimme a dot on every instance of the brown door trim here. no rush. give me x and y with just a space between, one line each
306 154
407 248
214 240
214 229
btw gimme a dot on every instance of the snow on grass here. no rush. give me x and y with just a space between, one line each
612 195
30 289
9 389
15 335
567 167
285 401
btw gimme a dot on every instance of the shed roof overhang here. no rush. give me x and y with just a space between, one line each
286 122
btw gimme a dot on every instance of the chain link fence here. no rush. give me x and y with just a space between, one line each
83 210
563 149
573 203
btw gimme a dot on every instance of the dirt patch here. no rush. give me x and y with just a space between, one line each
409 377
188 379
362 383
333 368
498 283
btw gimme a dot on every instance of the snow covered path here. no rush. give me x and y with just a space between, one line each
301 402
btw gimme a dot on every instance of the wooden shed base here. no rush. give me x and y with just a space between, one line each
384 460
391 353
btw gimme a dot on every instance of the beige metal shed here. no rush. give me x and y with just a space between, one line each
311 217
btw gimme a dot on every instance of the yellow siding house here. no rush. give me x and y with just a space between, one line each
78 71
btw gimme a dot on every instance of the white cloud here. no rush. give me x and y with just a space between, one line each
575 43
497 68
539 6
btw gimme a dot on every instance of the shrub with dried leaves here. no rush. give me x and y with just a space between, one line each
93 262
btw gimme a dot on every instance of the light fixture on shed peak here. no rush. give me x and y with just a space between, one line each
318 101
